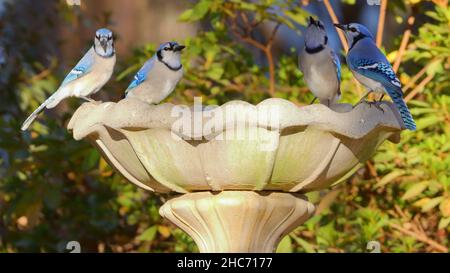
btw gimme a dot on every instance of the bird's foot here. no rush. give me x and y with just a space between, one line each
363 99
375 104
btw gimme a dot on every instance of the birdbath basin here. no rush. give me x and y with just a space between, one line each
240 170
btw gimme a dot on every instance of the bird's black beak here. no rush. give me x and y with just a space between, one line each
104 44
178 47
312 21
343 27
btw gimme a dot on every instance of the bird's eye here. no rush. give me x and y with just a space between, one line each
166 48
352 29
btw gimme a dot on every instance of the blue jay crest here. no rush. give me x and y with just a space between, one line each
73 2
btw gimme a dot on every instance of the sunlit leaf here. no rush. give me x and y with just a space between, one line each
285 245
432 203
389 177
443 223
415 190
304 244
445 207
149 234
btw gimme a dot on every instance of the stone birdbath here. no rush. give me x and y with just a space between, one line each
239 170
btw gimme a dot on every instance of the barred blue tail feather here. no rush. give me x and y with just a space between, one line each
403 109
36 112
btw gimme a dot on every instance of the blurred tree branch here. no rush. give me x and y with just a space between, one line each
381 19
336 21
245 31
404 43
420 236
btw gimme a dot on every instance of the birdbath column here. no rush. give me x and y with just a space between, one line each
237 221
237 192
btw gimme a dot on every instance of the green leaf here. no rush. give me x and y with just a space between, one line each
197 12
215 72
415 190
443 223
312 222
307 246
248 6
285 245
432 203
435 67
149 234
186 15
389 177
91 160
428 121
299 16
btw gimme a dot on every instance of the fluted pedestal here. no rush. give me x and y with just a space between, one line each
237 221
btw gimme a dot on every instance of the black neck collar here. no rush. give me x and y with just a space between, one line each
318 48
314 50
357 39
160 58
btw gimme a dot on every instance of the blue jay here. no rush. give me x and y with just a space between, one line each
320 65
87 77
371 68
159 75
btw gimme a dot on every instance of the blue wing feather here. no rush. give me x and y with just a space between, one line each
383 73
83 67
337 63
138 79
379 71
367 60
141 75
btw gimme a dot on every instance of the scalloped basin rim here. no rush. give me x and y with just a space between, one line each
307 148
133 114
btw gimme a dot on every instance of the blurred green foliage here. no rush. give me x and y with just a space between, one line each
54 189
